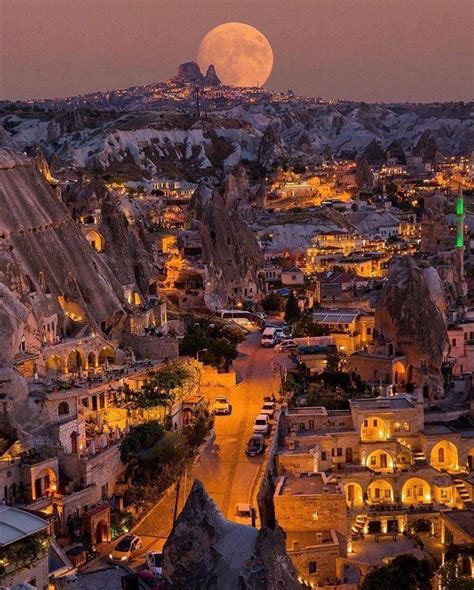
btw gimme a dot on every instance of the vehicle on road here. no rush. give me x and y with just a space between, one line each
154 562
268 408
243 513
150 580
221 405
125 548
261 425
255 445
286 344
269 337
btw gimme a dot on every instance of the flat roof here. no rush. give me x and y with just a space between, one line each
383 403
464 519
109 578
15 524
335 316
309 539
306 484
436 429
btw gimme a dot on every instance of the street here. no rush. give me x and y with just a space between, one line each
228 475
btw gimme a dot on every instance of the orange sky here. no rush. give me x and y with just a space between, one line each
392 50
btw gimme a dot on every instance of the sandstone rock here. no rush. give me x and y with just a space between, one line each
409 320
188 73
204 550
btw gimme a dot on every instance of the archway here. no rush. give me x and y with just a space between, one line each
45 483
416 491
470 460
101 532
106 354
96 240
54 363
354 495
76 361
444 456
380 460
403 459
380 491
373 429
63 409
92 360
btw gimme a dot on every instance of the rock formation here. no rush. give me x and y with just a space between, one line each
211 78
229 249
188 73
409 321
204 550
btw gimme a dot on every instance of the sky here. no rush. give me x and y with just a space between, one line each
372 50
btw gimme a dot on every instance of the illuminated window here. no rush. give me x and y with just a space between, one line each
375 422
406 426
312 567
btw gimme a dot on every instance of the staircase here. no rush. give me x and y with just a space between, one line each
361 520
462 491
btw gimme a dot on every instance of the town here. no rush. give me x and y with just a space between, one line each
236 336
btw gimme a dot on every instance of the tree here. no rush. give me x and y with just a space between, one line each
160 387
223 352
405 572
273 302
333 360
292 310
142 436
306 326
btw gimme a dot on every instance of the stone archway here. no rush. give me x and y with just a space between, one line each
354 495
444 456
399 374
102 532
374 428
380 491
107 354
96 240
380 460
54 363
416 491
76 361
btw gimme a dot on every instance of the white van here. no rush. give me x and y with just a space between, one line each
269 337
261 425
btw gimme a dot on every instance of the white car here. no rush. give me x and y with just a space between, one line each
261 425
154 562
268 408
243 513
221 405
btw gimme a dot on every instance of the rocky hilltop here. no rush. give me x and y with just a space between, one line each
409 320
205 550
142 127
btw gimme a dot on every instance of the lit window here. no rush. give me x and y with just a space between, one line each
406 426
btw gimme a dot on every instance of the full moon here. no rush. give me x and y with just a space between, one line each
240 53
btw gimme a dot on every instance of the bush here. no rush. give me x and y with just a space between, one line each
143 436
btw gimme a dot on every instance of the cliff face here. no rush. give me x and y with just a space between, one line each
409 320
204 550
45 261
230 250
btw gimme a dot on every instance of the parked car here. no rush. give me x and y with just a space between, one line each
243 513
255 445
154 562
261 425
221 405
150 580
125 548
268 408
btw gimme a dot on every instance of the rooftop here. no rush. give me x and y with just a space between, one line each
306 484
383 403
336 316
463 519
109 578
309 539
15 524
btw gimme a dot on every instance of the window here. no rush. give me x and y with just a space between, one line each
369 331
387 494
339 451
63 409
397 427
377 492
375 423
453 341
312 567
324 456
366 423
311 424
373 460
302 426
441 455
406 426
408 492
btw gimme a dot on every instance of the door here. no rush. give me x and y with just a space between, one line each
349 455
383 461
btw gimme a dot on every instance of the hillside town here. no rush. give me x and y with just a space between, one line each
230 362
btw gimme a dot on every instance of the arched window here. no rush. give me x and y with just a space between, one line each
63 409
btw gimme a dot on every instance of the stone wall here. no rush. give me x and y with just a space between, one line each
36 574
151 347
324 556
